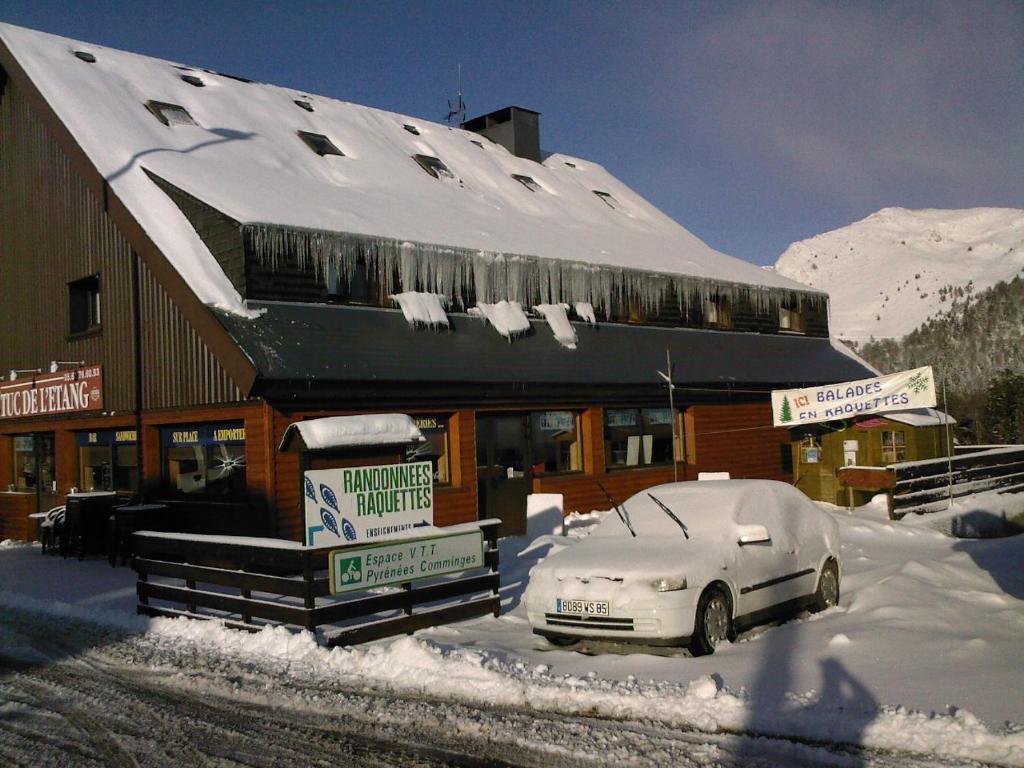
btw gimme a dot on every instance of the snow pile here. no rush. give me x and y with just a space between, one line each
507 317
422 308
920 252
585 311
558 320
352 431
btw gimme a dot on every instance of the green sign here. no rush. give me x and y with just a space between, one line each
406 560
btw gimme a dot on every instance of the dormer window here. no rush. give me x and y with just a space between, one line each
193 80
718 312
170 114
527 181
791 318
320 144
85 56
433 166
412 129
478 143
304 105
607 199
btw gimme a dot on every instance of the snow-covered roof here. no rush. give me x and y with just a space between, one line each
920 417
243 156
366 430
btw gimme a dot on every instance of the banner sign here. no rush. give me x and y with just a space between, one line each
351 504
405 561
49 393
896 392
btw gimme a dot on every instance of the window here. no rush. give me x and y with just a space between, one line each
108 460
170 114
360 286
478 143
320 144
894 447
411 129
791 318
555 442
527 181
718 312
435 449
304 105
85 56
84 304
607 199
433 166
639 436
34 461
193 80
571 165
204 460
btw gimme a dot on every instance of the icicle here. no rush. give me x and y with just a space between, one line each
410 266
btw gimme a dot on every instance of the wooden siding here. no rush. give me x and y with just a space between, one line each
740 439
53 230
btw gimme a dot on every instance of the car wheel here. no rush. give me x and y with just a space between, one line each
827 594
562 641
713 622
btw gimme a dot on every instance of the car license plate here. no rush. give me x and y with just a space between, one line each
584 607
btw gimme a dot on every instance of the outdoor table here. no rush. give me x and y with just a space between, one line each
85 518
127 519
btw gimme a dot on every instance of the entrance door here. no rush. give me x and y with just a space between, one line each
35 468
503 470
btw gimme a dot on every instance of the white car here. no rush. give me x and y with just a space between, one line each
689 564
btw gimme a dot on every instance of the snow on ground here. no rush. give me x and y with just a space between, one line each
922 654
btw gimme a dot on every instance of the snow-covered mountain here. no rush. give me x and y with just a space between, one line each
890 272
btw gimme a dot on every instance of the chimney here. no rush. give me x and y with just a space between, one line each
515 128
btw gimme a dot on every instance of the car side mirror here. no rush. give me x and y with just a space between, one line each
753 534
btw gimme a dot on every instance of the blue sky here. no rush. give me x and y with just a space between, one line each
752 124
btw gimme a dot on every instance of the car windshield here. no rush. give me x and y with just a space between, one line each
707 511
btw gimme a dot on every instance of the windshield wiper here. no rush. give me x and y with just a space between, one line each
670 513
621 512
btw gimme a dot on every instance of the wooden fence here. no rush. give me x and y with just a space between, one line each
924 486
248 583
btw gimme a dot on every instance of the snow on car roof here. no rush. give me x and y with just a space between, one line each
236 145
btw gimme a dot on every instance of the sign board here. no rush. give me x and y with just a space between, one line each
896 392
867 478
398 562
356 504
49 393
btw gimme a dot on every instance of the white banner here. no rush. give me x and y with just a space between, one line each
896 392
356 504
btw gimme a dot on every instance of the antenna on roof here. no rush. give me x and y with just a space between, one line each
457 109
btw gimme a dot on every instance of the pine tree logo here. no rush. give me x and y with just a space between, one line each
786 414
918 382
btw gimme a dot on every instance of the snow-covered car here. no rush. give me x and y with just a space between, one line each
689 563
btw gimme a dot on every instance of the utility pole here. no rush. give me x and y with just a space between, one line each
667 376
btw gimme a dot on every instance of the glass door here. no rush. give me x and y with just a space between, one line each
35 468
503 470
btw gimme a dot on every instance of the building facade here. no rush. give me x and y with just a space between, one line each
180 284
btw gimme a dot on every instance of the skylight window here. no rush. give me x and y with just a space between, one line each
571 165
170 114
433 166
608 200
85 56
193 80
527 181
412 129
304 105
478 143
320 144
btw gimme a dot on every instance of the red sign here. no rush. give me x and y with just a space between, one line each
47 393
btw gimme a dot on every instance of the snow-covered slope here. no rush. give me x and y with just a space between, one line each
890 272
